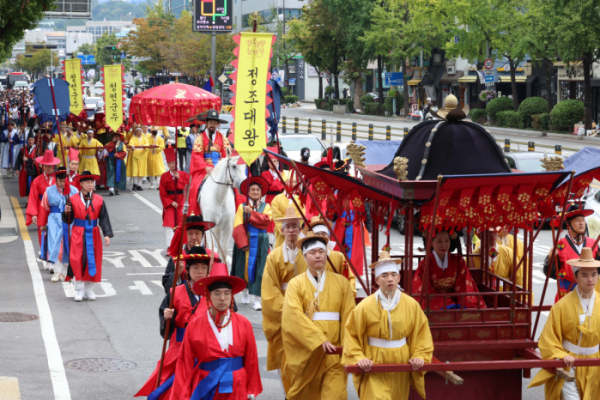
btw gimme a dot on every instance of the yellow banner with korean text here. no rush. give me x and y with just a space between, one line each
113 95
73 77
254 56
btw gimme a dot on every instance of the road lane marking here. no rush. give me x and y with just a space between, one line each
148 203
142 287
158 283
140 258
60 385
156 255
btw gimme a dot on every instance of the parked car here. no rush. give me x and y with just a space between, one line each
529 161
293 143
375 96
593 203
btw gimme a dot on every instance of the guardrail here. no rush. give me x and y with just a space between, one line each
358 131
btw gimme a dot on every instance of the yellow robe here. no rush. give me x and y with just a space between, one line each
510 240
563 324
73 141
340 264
309 373
87 158
503 265
276 277
136 159
278 206
369 320
65 144
156 165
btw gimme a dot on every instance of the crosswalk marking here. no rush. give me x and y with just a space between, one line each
142 287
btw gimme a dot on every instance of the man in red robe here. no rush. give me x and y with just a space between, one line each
171 190
448 273
209 147
25 167
275 185
88 214
73 167
36 193
186 304
218 358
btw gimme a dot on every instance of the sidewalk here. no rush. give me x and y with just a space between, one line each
509 131
8 223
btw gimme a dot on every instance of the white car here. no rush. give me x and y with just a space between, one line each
93 102
292 144
593 203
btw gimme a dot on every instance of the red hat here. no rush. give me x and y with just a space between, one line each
73 154
170 154
219 273
48 158
254 180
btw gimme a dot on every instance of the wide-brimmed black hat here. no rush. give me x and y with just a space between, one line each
197 222
212 115
86 176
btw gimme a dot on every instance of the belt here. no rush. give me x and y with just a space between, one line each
580 351
82 223
220 375
386 344
89 156
88 227
284 285
326 316
179 335
173 191
55 209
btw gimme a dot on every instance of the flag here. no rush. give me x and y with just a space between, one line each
209 85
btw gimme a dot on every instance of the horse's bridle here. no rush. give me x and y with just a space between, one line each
228 172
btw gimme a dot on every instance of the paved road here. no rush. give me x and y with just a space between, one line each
308 110
122 323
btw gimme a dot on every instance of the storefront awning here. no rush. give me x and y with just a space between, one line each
518 79
453 78
414 82
468 79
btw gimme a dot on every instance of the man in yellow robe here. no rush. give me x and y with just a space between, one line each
573 332
156 165
316 307
508 240
281 267
388 327
88 148
500 257
136 158
278 208
320 228
62 137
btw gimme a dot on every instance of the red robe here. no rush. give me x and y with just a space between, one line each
567 251
73 174
171 216
199 163
79 254
275 186
183 315
456 278
200 344
23 176
36 193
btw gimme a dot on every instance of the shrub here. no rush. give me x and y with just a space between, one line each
540 122
510 119
325 105
388 105
329 89
498 105
532 106
318 103
373 109
366 99
478 115
290 99
392 93
350 105
285 90
567 113
399 101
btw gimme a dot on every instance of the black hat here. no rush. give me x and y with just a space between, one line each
30 135
197 222
193 126
196 254
212 115
86 176
60 173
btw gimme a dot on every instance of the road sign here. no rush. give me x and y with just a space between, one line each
123 56
456 39
393 78
223 78
119 45
292 81
489 63
213 16
489 78
87 60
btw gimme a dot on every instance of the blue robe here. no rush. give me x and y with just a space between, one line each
11 150
56 229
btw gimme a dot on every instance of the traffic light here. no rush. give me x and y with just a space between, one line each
134 73
110 47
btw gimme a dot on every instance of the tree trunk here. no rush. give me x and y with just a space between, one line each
287 71
358 92
587 90
380 80
549 99
320 83
513 85
405 86
336 80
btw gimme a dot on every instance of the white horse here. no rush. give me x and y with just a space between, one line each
217 201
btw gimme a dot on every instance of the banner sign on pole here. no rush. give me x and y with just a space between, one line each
251 76
113 95
73 73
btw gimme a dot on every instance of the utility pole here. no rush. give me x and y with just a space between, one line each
287 67
213 53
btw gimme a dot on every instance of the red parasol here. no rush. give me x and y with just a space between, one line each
171 105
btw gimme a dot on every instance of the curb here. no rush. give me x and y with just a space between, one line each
8 223
366 117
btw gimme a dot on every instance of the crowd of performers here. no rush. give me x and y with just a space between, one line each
291 271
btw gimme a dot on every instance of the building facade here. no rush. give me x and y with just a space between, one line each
99 28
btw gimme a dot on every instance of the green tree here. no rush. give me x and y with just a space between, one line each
575 29
106 56
15 18
38 62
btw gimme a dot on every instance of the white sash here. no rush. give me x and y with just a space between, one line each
326 316
580 351
386 344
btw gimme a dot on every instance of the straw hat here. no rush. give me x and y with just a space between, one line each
311 236
290 215
384 257
585 260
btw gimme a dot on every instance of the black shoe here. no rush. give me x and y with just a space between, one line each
111 194
118 193
140 188
134 188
